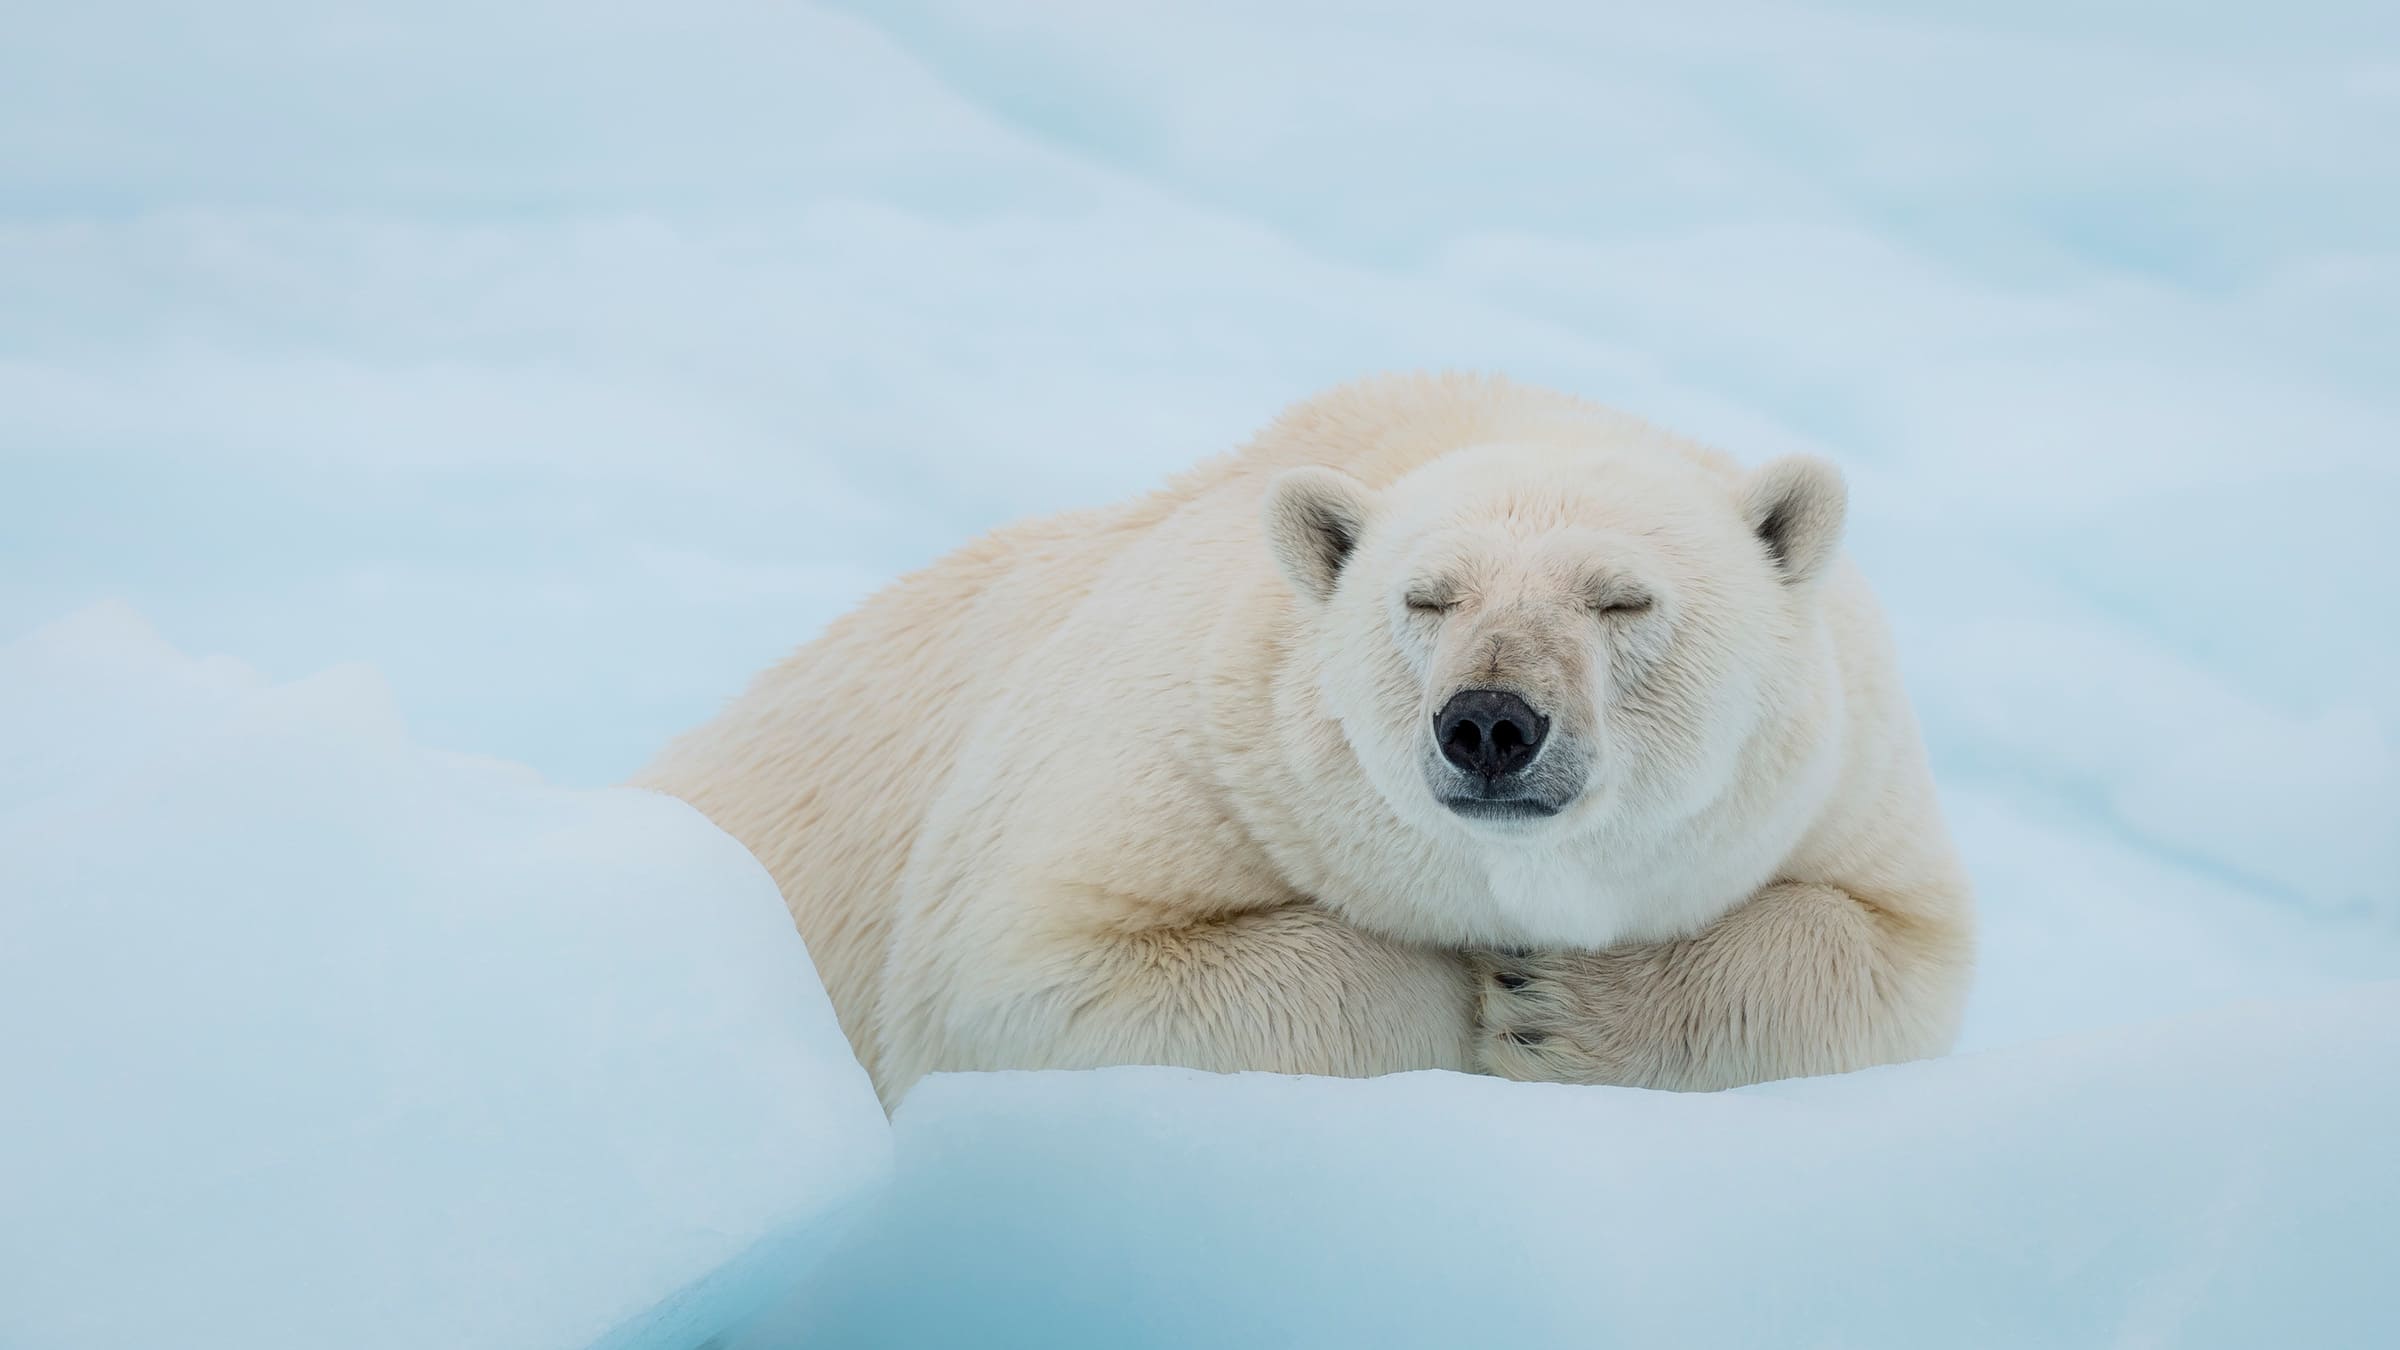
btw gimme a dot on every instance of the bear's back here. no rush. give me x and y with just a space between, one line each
1377 430
825 767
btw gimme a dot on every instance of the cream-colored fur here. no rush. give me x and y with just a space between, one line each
1160 783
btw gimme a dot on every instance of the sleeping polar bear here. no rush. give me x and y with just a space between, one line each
1451 723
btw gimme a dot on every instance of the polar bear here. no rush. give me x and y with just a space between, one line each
1452 723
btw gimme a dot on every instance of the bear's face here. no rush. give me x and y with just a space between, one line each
1525 644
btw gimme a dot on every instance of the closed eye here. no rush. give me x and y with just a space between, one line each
1623 606
1426 604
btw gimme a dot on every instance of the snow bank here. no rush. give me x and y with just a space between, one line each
2224 1180
313 1037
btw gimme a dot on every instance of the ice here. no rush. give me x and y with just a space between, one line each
316 1037
2221 1180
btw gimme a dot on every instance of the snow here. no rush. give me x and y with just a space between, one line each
2223 1180
317 1037
563 365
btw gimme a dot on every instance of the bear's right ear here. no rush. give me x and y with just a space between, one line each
1314 519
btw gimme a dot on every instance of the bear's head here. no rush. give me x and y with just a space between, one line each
1526 644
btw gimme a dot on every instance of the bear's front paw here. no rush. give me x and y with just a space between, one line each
1545 1017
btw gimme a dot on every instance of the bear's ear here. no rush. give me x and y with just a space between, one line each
1314 518
1796 506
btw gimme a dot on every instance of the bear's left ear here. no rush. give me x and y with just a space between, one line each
1796 506
1314 518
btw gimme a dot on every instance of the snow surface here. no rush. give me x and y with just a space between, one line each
315 1037
565 364
2224 1180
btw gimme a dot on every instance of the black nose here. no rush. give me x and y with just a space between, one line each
1489 733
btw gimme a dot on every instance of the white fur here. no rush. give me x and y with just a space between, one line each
1159 784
